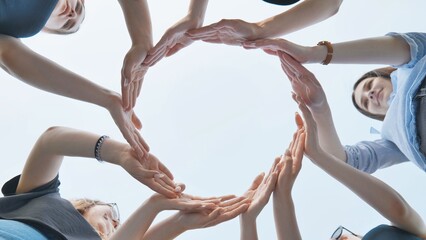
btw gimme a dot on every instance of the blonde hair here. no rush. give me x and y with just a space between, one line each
84 204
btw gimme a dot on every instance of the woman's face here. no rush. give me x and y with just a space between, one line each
100 217
372 95
66 17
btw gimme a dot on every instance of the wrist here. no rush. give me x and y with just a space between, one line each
247 220
112 151
320 53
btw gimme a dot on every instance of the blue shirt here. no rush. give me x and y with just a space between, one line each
24 18
399 142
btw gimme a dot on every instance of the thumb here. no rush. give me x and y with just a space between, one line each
136 121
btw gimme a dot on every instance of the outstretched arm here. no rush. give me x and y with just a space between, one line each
259 193
388 50
28 66
236 31
376 193
175 38
228 208
305 84
139 222
138 21
46 157
284 211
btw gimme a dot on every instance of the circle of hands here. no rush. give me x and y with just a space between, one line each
197 212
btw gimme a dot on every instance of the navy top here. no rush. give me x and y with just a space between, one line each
43 209
24 18
385 232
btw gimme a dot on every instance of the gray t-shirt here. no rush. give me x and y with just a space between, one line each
44 209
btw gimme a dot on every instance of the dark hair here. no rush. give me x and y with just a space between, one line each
379 72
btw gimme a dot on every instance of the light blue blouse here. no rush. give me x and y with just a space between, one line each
399 142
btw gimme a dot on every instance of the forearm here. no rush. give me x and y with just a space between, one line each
138 223
138 21
376 193
248 228
285 216
45 159
379 50
306 13
197 9
327 133
169 228
38 71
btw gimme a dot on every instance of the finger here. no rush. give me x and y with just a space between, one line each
129 135
270 52
228 215
136 121
165 170
137 144
161 189
125 94
165 183
156 53
135 93
202 31
299 153
233 201
299 121
257 181
175 49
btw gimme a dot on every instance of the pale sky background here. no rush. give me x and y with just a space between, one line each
216 115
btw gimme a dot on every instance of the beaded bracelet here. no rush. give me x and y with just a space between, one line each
98 147
327 59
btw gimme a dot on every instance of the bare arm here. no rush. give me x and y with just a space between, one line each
236 31
38 71
302 15
305 85
228 208
376 193
46 157
284 212
138 21
388 50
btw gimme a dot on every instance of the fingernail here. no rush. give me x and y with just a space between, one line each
158 175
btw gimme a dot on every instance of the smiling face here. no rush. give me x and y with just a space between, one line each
66 17
372 95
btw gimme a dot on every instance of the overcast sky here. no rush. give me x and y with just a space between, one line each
216 115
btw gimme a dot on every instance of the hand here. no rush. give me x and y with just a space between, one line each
132 75
292 159
304 83
228 208
173 40
260 191
129 125
186 203
312 147
150 172
227 31
273 46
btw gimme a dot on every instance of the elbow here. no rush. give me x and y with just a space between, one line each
50 135
334 7
6 45
401 212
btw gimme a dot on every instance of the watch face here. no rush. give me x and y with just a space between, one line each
282 2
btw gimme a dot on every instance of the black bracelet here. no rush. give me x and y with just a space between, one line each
98 147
